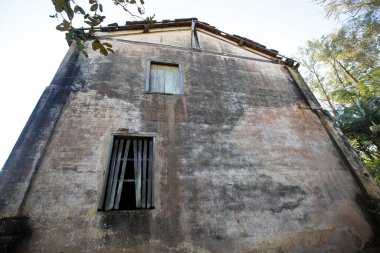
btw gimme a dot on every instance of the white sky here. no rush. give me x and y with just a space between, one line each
31 48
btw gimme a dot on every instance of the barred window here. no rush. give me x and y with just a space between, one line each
128 181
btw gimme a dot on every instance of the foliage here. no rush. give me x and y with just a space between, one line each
343 67
351 8
67 11
314 69
361 124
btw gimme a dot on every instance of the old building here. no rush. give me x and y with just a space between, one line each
187 139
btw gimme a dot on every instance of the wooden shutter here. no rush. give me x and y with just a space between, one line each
172 82
143 173
122 175
142 159
150 177
113 164
165 79
157 79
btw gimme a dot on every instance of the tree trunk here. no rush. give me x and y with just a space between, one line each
325 93
348 72
337 74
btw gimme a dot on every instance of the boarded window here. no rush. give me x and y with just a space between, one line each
164 78
129 177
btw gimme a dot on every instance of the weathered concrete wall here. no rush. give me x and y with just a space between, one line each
176 37
212 42
239 167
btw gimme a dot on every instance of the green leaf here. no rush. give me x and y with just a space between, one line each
96 21
142 1
82 36
84 53
88 22
103 51
64 26
78 9
107 44
109 49
80 45
94 7
59 5
92 1
101 8
69 36
96 45
66 7
132 1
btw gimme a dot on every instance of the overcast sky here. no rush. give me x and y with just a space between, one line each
31 48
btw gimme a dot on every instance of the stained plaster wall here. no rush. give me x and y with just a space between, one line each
179 37
239 167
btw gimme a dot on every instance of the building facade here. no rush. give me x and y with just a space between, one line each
186 139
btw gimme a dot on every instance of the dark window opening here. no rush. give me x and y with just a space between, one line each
129 176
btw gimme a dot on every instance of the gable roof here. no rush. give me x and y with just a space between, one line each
188 22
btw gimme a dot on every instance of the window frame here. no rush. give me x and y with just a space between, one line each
106 171
164 63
